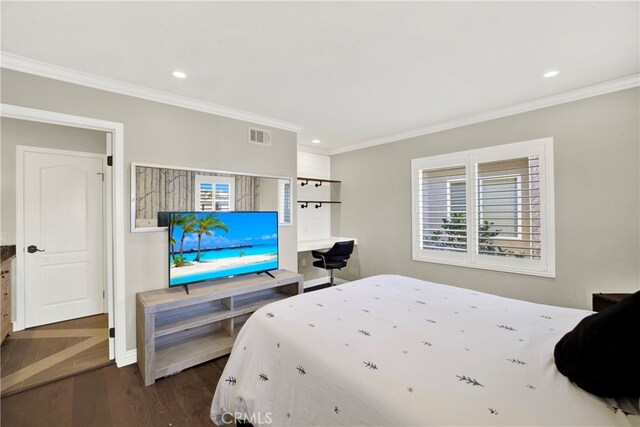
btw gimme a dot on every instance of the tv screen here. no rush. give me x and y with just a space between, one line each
211 245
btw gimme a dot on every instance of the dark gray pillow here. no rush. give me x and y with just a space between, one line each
602 353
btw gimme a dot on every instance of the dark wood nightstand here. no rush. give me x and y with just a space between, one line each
602 301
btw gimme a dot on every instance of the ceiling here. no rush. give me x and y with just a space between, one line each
348 72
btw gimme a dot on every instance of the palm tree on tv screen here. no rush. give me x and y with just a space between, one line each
187 223
205 226
176 218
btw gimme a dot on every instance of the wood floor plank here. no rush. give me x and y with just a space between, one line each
99 321
193 395
169 394
47 406
112 396
126 396
161 415
221 362
90 402
210 373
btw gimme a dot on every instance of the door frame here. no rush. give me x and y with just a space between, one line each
21 300
114 220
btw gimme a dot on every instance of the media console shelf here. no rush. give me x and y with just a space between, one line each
176 330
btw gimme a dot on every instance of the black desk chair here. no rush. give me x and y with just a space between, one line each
334 258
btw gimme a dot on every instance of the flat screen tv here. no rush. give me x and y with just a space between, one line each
212 245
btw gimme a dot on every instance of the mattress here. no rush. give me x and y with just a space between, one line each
392 350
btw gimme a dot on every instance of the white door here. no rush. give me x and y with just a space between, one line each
63 226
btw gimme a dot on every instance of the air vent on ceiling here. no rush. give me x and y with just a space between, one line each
259 136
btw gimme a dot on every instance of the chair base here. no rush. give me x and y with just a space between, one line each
331 281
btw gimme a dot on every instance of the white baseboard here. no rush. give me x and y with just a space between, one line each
130 358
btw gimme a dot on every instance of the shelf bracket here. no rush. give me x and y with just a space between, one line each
304 205
319 205
306 182
318 184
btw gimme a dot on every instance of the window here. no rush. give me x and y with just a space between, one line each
214 193
490 208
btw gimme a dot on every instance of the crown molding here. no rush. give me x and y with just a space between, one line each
536 104
313 150
31 66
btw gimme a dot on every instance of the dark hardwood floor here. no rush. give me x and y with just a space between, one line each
112 396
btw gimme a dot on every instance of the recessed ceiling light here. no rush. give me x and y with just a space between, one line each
316 141
551 73
179 74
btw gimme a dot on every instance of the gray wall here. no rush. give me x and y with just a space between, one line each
597 163
19 132
161 134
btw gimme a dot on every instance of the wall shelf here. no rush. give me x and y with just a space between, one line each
318 181
318 203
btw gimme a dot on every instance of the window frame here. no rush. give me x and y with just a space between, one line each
543 149
213 180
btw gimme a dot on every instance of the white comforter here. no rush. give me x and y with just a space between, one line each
391 350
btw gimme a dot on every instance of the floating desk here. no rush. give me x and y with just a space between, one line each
312 245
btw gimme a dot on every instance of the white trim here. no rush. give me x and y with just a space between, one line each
536 104
108 179
186 168
116 149
135 229
31 66
546 265
19 322
130 358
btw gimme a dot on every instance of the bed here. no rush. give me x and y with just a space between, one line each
392 350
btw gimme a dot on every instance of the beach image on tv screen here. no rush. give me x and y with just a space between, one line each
210 245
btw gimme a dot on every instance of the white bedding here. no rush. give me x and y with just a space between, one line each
391 350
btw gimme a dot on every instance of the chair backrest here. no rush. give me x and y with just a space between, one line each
340 251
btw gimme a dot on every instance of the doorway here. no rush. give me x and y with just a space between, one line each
61 194
114 221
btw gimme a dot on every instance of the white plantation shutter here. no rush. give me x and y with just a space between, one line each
508 197
442 209
205 192
222 196
284 201
490 208
214 193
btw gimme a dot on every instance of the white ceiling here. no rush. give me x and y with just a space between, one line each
348 72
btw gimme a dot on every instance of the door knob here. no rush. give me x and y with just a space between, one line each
33 249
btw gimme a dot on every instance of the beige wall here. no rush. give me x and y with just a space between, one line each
167 135
597 180
19 132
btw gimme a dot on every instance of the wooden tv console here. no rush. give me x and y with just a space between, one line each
175 331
